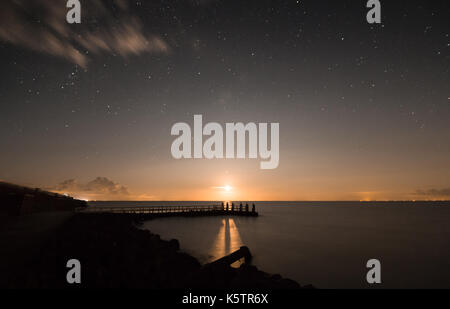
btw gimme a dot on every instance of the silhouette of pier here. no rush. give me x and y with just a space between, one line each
227 209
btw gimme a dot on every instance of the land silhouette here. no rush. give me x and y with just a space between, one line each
42 231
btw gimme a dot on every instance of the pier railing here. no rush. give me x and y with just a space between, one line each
225 209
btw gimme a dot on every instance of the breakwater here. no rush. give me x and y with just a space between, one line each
114 252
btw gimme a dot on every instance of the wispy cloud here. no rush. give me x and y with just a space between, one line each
444 192
99 188
40 25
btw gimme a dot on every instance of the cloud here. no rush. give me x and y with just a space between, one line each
41 25
67 185
445 192
99 188
104 185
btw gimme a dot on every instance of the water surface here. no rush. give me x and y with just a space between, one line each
328 244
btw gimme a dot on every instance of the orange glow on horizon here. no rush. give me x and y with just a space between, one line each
242 187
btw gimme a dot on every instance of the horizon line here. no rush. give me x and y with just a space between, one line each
288 201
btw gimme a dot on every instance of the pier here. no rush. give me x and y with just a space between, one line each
228 209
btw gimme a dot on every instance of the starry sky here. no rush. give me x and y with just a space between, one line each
364 110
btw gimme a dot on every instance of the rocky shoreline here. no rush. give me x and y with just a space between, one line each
115 253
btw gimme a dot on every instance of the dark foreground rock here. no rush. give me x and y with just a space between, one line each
114 253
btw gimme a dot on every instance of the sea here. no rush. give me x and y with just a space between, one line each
326 244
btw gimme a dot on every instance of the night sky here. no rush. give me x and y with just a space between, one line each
364 110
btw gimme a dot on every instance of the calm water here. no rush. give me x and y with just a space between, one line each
328 244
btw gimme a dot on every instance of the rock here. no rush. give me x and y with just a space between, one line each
115 253
174 244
